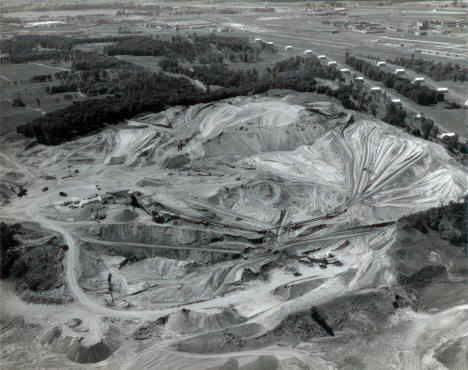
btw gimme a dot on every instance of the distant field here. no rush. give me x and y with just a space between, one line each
24 71
148 62
29 92
61 13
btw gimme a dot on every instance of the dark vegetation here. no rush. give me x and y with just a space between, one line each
435 283
17 102
205 49
29 48
41 78
131 8
36 266
132 93
422 95
437 71
449 221
296 73
8 248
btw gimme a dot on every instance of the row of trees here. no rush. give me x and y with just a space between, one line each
80 6
207 49
422 95
8 247
29 48
41 78
177 47
437 71
294 70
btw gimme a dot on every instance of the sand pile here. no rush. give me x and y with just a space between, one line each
326 108
96 352
125 216
55 340
61 339
90 212
188 321
373 164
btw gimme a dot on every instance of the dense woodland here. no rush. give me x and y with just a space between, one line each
8 247
205 49
448 221
22 49
296 73
422 95
437 71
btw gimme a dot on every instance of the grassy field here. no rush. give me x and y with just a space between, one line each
149 62
24 71
15 84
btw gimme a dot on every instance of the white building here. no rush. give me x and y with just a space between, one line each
447 134
44 24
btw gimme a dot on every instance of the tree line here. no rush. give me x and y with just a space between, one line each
422 95
207 49
437 71
27 48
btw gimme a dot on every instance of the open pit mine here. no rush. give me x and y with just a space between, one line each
274 231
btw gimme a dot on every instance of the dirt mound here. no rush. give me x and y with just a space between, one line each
326 108
453 353
90 212
263 363
400 177
358 313
96 352
65 340
125 216
292 291
56 341
187 321
223 341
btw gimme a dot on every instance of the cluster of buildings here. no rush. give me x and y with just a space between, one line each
418 26
44 24
441 25
356 26
424 26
